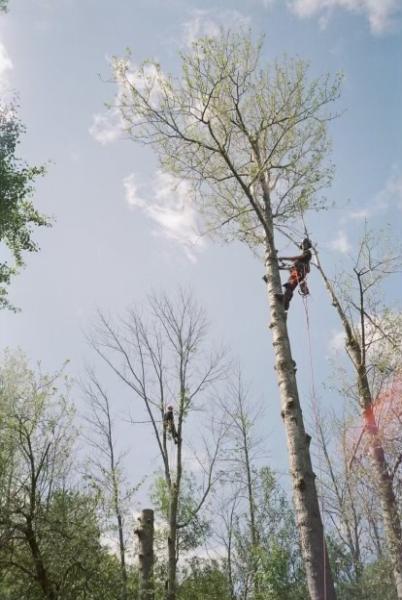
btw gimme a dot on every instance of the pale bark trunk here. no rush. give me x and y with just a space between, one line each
308 517
145 533
390 513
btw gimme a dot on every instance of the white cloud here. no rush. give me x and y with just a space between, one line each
360 215
391 194
106 127
386 199
131 188
209 23
341 243
337 341
169 205
381 14
6 66
266 3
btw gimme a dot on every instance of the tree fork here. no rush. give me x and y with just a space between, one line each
145 534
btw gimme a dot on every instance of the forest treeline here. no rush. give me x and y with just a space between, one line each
252 141
68 521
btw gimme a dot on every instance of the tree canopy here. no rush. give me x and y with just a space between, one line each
18 216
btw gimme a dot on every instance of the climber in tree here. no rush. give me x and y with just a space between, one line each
168 423
298 271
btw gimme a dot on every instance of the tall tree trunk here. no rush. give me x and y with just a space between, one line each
172 544
389 507
145 533
308 517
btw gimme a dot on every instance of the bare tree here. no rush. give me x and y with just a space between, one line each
163 363
107 464
340 487
242 451
369 334
252 142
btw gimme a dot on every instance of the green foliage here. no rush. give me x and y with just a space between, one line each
76 563
203 580
230 121
191 536
374 581
276 560
18 215
49 531
280 573
276 578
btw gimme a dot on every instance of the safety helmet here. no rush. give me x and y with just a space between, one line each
306 244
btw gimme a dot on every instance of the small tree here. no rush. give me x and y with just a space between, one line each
259 534
49 533
243 449
107 472
252 141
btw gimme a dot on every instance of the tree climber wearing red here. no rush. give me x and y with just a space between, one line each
298 271
168 423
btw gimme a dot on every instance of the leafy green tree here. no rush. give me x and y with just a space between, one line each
50 539
18 215
203 580
196 530
280 573
76 564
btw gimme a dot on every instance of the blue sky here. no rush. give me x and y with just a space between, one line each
121 232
